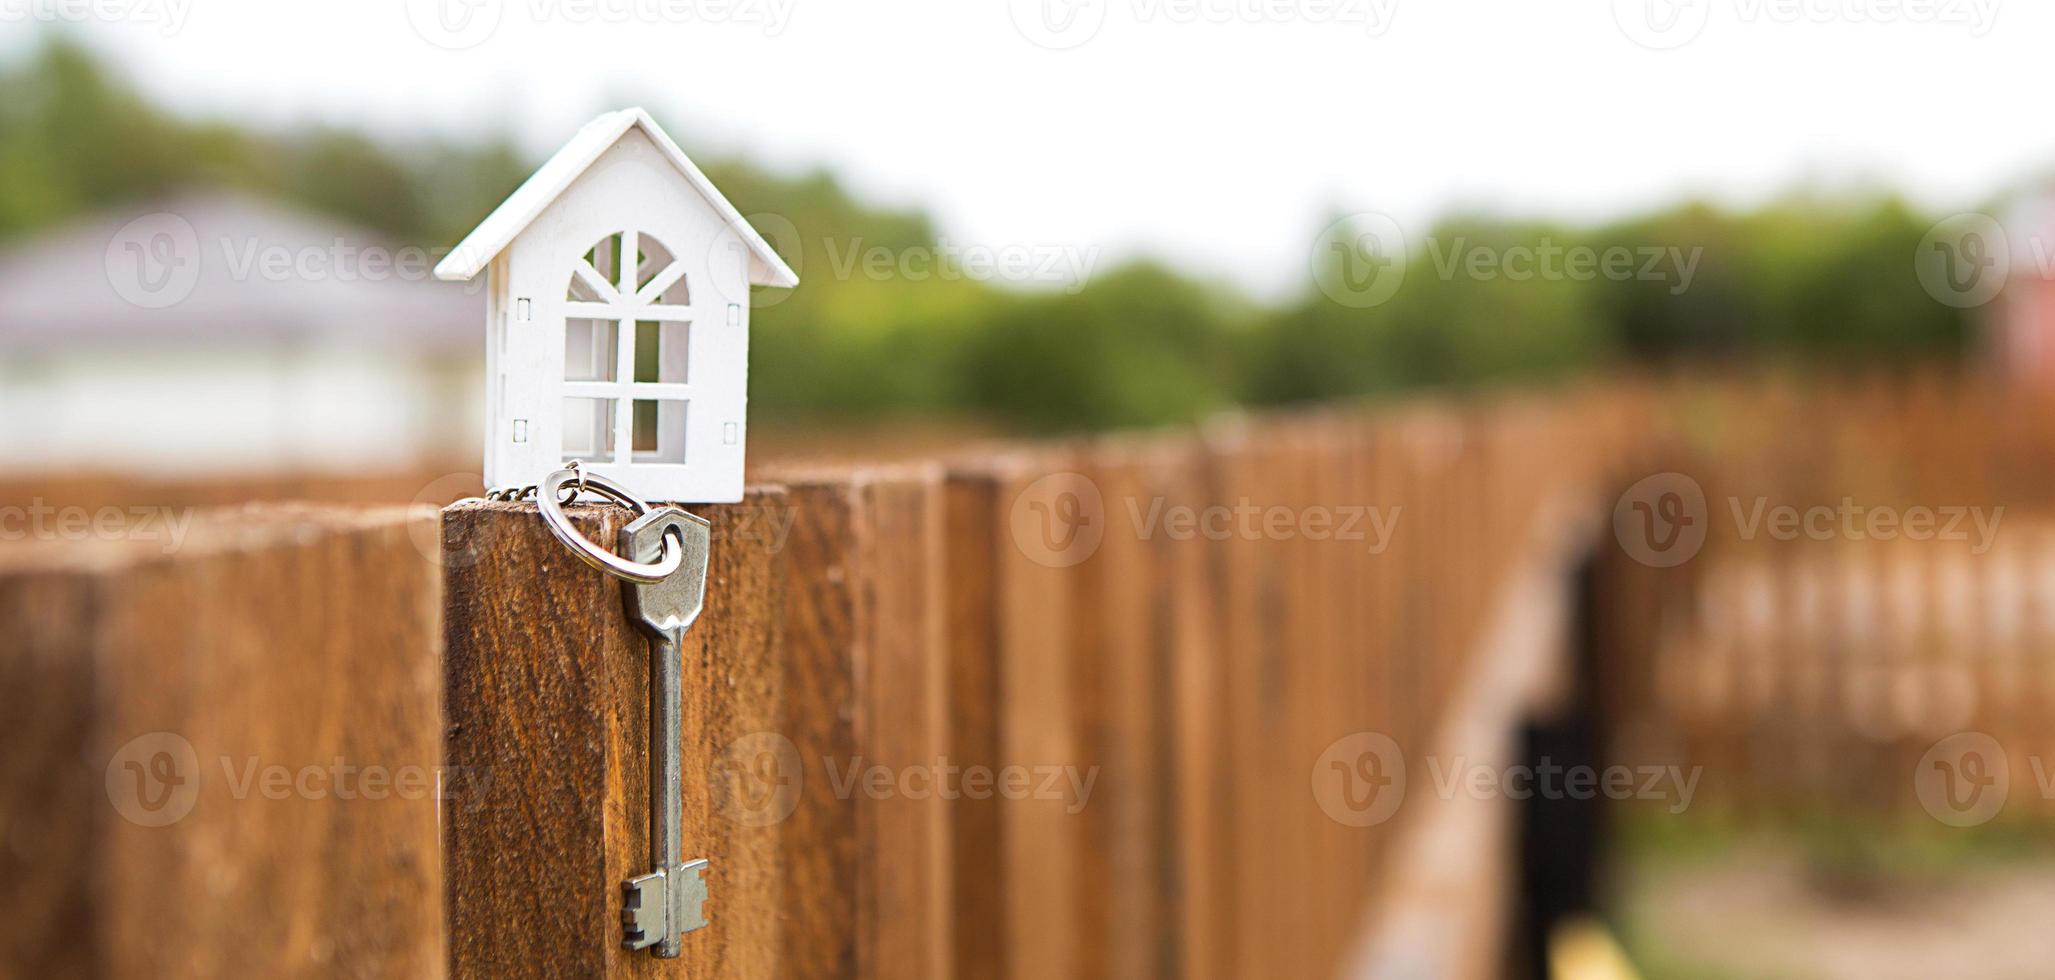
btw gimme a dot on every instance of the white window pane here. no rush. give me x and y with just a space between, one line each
659 431
661 350
590 352
589 428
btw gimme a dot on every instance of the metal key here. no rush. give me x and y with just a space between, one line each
669 901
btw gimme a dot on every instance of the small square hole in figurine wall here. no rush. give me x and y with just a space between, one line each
659 430
589 429
590 349
661 350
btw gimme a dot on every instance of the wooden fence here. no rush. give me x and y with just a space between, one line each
1878 574
1165 656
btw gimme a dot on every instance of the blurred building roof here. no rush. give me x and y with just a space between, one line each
218 268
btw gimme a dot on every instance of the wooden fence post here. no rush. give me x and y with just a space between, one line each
547 697
817 664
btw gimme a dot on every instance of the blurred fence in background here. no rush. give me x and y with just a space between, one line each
1877 574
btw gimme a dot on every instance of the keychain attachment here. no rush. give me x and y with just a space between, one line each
550 498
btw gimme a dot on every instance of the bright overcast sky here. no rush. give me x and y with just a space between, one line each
1217 133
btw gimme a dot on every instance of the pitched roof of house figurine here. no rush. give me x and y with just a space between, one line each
513 216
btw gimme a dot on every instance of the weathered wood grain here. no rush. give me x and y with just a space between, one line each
273 680
1048 526
903 716
972 539
547 697
815 719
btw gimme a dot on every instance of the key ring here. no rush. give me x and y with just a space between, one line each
546 500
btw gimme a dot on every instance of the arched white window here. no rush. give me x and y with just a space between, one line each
627 353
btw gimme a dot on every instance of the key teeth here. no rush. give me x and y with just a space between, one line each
694 895
636 934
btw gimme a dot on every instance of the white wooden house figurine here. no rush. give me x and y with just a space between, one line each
618 318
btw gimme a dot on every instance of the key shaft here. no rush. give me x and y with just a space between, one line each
667 901
666 778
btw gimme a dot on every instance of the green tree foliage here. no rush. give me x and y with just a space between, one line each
884 325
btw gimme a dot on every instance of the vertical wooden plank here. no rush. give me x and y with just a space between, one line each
1133 793
1044 534
1202 852
52 809
818 843
973 542
235 739
905 923
1090 655
1233 584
